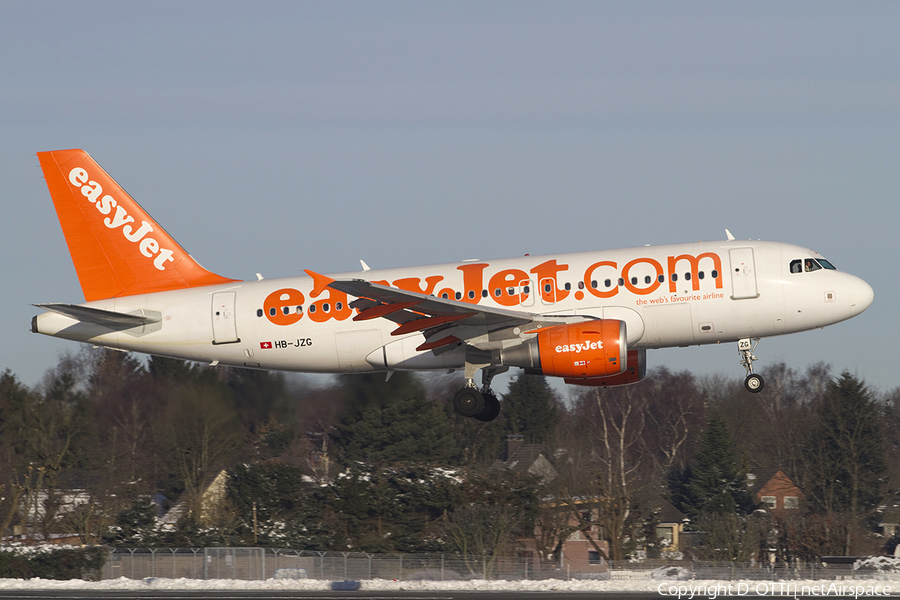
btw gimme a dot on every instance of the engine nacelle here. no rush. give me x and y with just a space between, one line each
583 350
634 372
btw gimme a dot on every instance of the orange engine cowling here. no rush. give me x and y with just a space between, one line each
634 372
583 350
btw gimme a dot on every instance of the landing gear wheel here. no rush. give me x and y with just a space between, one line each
491 407
754 383
468 402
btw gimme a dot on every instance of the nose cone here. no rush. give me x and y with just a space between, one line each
861 296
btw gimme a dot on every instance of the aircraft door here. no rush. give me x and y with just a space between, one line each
224 327
743 274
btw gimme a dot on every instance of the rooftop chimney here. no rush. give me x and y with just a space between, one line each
513 442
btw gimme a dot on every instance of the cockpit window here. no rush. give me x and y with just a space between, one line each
810 264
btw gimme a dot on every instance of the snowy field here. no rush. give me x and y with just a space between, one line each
683 589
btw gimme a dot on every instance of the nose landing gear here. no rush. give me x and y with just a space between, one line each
754 383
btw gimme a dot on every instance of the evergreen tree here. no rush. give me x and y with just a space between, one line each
365 391
14 398
714 482
276 507
403 429
844 462
531 409
396 425
261 397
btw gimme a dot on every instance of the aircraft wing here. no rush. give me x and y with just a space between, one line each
444 322
441 320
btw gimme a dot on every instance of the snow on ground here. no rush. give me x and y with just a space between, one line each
669 587
879 576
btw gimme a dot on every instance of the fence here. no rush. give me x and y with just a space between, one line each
267 563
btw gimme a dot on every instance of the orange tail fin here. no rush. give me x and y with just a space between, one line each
118 250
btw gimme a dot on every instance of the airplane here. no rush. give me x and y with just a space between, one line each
588 317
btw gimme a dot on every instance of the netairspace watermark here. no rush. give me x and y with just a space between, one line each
713 591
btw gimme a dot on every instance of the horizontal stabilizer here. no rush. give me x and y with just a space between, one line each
105 318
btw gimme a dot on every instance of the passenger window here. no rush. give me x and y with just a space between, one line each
700 275
648 279
687 276
674 276
715 274
662 278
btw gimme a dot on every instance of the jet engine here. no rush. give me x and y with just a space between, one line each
585 350
634 372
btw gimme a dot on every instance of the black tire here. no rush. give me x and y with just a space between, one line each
468 402
491 408
754 383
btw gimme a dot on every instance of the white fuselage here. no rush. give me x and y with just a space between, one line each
674 295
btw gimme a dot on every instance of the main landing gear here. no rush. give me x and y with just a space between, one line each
482 405
754 382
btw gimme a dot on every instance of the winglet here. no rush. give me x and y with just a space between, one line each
117 248
730 237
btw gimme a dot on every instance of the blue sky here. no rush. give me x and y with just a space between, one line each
274 137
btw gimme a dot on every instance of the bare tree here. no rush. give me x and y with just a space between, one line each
674 411
201 433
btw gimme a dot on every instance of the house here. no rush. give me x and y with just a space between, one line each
670 526
773 490
210 503
526 458
582 554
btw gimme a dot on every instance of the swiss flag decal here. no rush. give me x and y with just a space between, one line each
265 345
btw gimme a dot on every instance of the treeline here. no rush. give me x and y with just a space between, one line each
106 442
